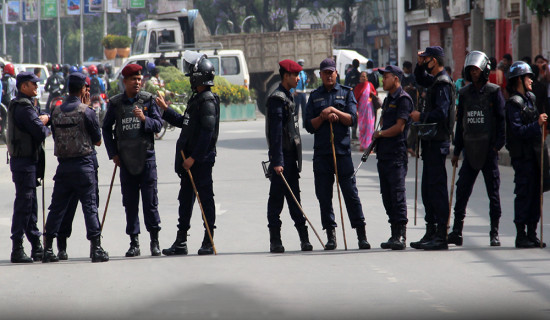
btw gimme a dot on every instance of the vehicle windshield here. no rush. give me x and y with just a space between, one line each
139 42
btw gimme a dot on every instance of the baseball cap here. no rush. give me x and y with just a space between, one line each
328 64
394 70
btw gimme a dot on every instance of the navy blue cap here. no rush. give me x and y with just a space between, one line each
25 76
435 51
77 77
328 64
393 69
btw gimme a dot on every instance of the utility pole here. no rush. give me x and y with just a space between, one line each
4 17
59 58
39 27
401 32
21 54
81 32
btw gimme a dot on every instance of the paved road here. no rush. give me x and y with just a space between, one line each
245 281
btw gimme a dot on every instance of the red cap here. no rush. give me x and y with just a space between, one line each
290 66
131 70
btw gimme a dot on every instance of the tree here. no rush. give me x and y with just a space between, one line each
541 7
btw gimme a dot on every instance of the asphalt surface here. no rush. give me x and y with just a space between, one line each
245 281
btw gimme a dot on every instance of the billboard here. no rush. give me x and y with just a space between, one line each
13 12
49 9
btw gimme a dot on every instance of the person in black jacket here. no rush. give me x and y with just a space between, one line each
199 134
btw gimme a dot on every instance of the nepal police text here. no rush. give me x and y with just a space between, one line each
131 123
475 117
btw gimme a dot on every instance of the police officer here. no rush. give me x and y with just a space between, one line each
285 156
334 103
26 134
523 141
54 85
391 152
199 134
300 92
136 118
75 130
430 73
480 134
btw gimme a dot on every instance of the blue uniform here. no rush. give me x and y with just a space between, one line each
434 152
342 98
391 153
146 181
278 115
526 165
25 172
468 174
76 178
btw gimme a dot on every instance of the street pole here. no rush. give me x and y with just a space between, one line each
59 60
4 17
39 27
129 21
401 32
21 54
105 22
81 32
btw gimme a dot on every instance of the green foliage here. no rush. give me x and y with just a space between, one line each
114 89
109 41
540 7
122 42
169 74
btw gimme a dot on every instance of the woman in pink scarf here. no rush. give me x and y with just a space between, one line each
364 93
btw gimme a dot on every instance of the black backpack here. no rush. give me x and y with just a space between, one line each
373 78
95 88
6 97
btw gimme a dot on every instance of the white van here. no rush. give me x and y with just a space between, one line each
229 64
345 57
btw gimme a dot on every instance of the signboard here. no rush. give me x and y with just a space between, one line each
112 6
459 7
135 4
73 7
13 12
49 9
491 10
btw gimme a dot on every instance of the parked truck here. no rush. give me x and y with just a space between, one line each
263 51
184 29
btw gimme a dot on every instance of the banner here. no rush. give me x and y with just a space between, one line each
30 12
73 7
49 9
96 5
13 12
112 6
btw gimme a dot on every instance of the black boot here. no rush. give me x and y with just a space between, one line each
179 247
393 239
62 248
37 251
98 254
305 245
455 237
18 255
532 235
49 256
275 243
439 241
521 237
331 239
400 244
133 251
206 247
362 238
493 234
430 233
155 247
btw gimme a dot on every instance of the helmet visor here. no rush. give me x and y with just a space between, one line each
477 59
191 59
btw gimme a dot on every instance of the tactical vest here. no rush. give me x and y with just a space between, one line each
516 146
71 137
478 122
6 96
191 126
444 128
132 141
20 143
292 142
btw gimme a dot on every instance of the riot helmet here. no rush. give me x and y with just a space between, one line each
477 59
108 68
518 69
100 69
199 69
56 68
151 66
